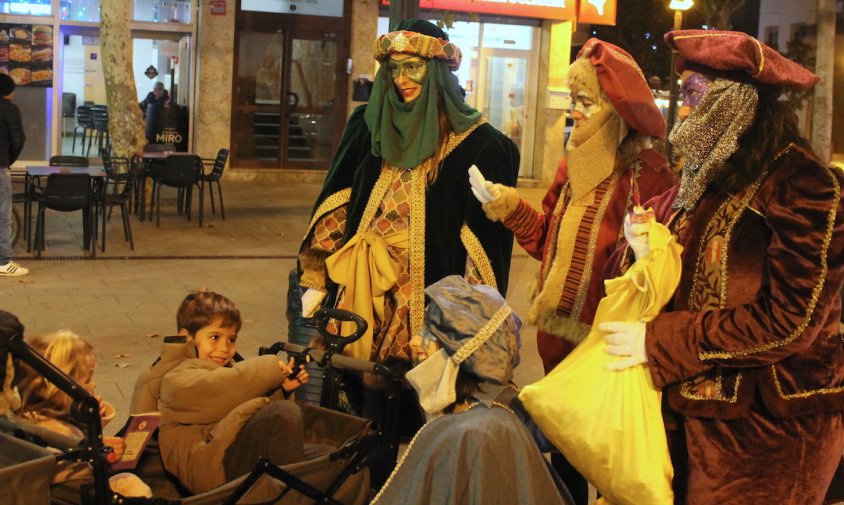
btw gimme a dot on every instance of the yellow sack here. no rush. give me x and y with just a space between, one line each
608 424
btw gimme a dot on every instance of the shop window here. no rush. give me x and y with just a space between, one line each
332 8
26 7
80 10
163 11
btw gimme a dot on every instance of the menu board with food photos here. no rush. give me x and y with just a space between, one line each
26 54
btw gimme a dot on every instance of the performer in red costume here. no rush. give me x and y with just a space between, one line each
610 163
749 353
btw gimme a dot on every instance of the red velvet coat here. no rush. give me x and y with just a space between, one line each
758 306
749 352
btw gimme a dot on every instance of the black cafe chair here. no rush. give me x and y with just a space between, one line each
181 172
99 119
67 193
121 178
147 166
217 166
85 122
35 187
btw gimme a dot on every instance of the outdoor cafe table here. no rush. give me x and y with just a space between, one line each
34 172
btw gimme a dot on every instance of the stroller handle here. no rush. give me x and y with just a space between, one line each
334 341
322 358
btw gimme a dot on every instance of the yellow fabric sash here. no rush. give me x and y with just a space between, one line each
367 270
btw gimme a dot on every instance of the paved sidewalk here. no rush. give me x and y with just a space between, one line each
125 301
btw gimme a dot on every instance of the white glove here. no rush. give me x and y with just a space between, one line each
483 190
637 224
311 301
625 339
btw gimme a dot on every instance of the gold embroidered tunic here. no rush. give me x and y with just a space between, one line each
446 231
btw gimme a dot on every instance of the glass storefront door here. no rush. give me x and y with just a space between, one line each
502 97
285 107
310 114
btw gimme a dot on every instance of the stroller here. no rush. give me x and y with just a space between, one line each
339 448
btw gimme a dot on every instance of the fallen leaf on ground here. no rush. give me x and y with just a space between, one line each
122 365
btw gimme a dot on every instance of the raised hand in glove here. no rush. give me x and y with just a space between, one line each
637 224
498 201
625 339
311 301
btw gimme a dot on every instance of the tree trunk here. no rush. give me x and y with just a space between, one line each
719 13
125 122
824 66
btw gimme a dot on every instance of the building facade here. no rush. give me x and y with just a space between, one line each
274 80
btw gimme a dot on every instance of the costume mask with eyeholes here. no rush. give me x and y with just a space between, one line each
414 68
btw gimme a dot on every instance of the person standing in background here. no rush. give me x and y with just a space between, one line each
11 145
158 96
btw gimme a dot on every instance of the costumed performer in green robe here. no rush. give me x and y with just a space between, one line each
396 212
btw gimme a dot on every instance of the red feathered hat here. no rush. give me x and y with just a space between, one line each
624 84
738 54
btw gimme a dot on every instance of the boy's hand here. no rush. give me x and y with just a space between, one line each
295 382
286 368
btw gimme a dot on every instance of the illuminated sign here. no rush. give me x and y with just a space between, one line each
597 12
542 9
333 8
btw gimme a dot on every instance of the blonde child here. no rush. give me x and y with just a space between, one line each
45 405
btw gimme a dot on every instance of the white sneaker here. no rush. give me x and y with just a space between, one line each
12 269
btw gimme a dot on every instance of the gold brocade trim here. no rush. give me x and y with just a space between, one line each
401 461
419 186
709 234
418 190
496 403
558 212
801 394
810 308
758 46
482 335
332 202
376 196
586 277
728 235
454 139
761 56
686 390
478 255
412 443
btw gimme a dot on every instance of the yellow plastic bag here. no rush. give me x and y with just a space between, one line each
608 424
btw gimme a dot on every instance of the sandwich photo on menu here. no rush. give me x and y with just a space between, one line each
42 35
42 54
